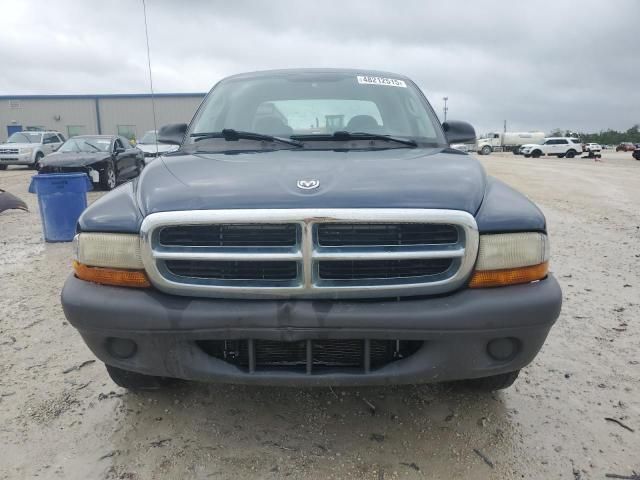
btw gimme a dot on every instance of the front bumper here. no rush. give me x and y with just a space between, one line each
455 330
16 159
93 174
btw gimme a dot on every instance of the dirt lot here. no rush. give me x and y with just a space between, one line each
61 417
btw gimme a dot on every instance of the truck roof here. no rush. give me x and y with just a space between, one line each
298 71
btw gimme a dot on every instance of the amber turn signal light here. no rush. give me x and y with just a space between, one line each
111 276
508 276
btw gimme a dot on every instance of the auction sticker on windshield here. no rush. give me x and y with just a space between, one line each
391 82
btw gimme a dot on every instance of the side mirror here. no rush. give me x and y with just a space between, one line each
458 132
120 149
172 134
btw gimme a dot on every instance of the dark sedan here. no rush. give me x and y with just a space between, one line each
106 159
625 147
636 152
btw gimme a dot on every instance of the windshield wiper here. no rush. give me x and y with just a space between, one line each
343 136
231 135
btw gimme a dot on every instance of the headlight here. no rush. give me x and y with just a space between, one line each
26 150
110 258
511 258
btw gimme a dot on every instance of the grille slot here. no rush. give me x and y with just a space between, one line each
231 270
230 235
371 269
310 355
338 234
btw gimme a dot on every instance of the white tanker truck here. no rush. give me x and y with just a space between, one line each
507 141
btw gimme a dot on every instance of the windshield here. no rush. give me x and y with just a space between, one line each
25 137
86 145
309 104
149 137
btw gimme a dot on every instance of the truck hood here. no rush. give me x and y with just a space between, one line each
392 178
73 159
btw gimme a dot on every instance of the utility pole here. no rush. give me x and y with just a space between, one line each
505 126
445 107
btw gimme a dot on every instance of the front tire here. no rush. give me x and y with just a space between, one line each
108 177
571 153
536 154
36 163
486 150
493 383
135 381
3 167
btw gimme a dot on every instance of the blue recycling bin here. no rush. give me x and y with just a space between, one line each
62 197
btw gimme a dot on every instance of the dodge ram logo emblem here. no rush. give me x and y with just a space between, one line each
308 184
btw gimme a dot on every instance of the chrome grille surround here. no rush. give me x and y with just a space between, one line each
308 253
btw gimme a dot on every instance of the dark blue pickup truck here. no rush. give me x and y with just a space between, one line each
314 228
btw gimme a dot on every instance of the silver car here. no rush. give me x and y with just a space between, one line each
151 148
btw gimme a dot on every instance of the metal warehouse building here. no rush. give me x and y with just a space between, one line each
129 115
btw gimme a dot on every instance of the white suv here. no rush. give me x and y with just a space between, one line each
29 147
556 146
592 147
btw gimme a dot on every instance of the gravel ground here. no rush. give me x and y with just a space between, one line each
61 416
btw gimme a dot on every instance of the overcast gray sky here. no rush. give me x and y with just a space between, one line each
537 64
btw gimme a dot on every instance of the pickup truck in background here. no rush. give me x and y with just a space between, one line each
317 230
507 141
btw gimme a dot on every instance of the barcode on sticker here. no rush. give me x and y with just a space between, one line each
391 82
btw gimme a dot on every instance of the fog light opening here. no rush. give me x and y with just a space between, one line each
121 348
503 349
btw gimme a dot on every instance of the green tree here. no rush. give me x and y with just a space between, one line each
612 137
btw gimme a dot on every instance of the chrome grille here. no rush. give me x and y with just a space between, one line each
309 253
8 151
